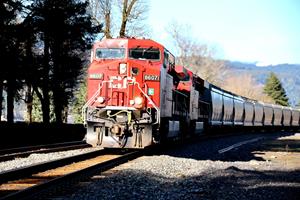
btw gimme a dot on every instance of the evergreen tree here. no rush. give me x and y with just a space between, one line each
273 88
66 32
9 50
78 103
37 114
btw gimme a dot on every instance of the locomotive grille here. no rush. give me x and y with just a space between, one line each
118 98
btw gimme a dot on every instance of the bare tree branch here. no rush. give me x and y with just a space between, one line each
196 56
133 14
245 85
131 17
101 13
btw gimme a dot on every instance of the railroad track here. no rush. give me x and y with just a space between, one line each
25 182
8 154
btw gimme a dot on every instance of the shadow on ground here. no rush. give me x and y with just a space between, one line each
210 149
228 184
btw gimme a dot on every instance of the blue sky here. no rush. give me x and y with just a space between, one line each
263 31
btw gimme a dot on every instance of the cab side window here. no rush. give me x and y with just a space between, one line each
169 60
166 59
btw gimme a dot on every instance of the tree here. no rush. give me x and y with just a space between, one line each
273 88
37 114
101 14
245 85
1 98
78 103
196 56
66 31
132 14
30 72
9 50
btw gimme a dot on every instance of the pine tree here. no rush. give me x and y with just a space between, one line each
9 49
67 32
78 103
273 88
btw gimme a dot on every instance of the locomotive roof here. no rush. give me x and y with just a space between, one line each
127 43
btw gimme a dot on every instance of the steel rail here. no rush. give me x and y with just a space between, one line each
44 149
26 171
28 193
29 148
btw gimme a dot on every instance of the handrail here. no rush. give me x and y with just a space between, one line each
92 100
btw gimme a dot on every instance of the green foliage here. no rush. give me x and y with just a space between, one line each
55 36
78 103
43 41
273 88
37 114
69 33
36 110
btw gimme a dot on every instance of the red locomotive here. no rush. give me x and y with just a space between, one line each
137 96
132 84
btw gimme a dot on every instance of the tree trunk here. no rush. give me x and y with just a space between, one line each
29 93
124 19
107 25
65 115
126 11
45 107
45 85
58 104
10 100
29 100
1 98
45 104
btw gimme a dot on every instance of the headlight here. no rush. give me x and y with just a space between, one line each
100 99
122 68
138 102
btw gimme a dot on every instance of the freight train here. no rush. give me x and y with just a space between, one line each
137 96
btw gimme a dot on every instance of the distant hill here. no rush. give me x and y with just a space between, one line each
289 75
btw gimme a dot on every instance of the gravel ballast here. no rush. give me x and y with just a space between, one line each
184 174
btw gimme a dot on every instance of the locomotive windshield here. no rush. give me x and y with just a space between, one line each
111 53
144 53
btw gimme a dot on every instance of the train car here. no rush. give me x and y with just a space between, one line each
249 113
239 111
295 117
277 115
216 107
137 97
195 88
287 116
268 114
228 114
259 114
